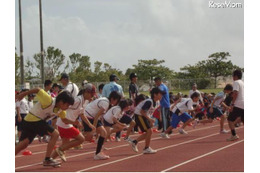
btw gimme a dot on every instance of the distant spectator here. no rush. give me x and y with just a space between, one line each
194 89
69 86
55 90
100 89
112 86
47 86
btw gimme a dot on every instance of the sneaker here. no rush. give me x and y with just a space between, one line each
101 156
232 138
61 154
164 135
134 146
149 151
118 139
51 162
224 131
182 131
196 122
78 147
128 140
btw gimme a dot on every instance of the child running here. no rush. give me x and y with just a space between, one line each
93 111
180 113
35 121
215 111
65 125
143 120
112 117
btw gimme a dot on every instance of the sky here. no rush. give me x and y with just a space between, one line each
120 32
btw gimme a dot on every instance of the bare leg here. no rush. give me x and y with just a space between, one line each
148 137
186 123
54 136
21 145
222 120
132 124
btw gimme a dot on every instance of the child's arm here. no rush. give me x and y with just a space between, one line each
117 122
23 94
100 112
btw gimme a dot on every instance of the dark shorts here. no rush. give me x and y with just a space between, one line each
176 119
87 128
199 115
216 113
237 112
107 123
142 123
31 129
125 119
19 124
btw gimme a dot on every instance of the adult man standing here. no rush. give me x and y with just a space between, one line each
69 86
164 103
194 89
112 86
237 104
133 89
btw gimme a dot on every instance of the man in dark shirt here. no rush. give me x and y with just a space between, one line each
133 89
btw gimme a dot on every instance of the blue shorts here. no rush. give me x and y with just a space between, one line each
216 113
176 119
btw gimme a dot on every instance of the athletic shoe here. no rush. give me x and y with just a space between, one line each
224 131
164 135
232 138
128 139
196 122
149 150
182 131
101 156
118 139
78 147
134 146
50 162
61 154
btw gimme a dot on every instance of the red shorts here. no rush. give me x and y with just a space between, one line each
68 133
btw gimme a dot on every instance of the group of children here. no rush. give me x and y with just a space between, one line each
99 117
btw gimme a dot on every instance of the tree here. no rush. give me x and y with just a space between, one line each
54 59
29 68
17 69
147 69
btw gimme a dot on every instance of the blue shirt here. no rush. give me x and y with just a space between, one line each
165 101
112 86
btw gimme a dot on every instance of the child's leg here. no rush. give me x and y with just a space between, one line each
148 138
75 142
222 120
107 128
206 121
54 136
132 124
186 123
64 141
101 130
21 145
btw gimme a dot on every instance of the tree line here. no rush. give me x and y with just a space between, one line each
79 68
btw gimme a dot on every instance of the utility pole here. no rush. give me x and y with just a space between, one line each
41 40
21 46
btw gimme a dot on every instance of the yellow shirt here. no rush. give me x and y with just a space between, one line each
45 101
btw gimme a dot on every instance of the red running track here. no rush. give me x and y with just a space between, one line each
202 150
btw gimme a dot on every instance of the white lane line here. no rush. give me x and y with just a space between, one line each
39 163
204 155
163 148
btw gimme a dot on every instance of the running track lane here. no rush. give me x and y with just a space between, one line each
30 160
86 161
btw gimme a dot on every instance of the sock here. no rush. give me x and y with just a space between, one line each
146 148
100 144
47 158
135 141
233 132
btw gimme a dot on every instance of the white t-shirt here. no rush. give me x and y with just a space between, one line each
191 92
73 111
141 106
238 85
93 107
221 95
184 106
73 89
113 112
23 105
30 105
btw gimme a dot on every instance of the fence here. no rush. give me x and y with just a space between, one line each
173 84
